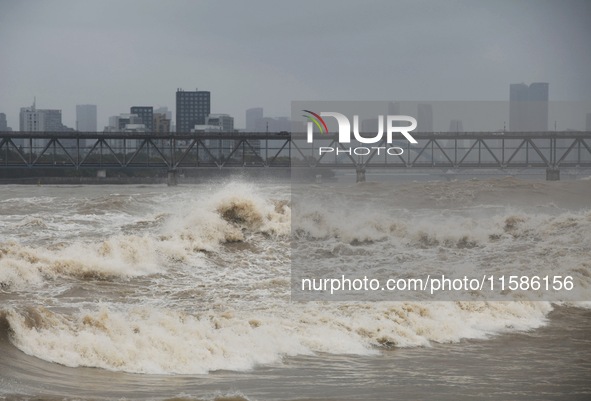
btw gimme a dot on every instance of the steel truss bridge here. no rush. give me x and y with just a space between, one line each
173 151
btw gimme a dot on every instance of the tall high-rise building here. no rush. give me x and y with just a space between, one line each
32 119
86 118
40 120
146 115
192 107
252 117
528 107
3 123
424 117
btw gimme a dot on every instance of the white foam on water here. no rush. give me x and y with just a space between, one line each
197 225
243 330
155 340
118 256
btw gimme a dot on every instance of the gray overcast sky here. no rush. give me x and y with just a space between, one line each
120 53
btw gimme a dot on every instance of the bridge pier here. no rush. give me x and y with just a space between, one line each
552 174
172 178
360 174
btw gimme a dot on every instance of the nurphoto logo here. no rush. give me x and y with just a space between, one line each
392 127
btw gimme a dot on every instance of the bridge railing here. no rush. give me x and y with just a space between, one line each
193 150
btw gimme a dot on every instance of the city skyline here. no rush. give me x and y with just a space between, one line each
86 117
432 115
536 92
409 51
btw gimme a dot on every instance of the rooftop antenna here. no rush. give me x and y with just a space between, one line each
34 101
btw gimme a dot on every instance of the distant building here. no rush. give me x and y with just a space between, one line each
125 122
252 117
41 120
393 108
161 123
588 122
192 107
165 111
456 126
146 115
257 122
86 118
269 124
32 119
214 146
120 122
424 118
225 121
218 123
3 123
371 126
528 107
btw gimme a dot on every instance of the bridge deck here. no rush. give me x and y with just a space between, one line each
256 149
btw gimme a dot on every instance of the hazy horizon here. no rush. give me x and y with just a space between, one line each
266 54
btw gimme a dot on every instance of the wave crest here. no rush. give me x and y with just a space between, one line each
157 341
